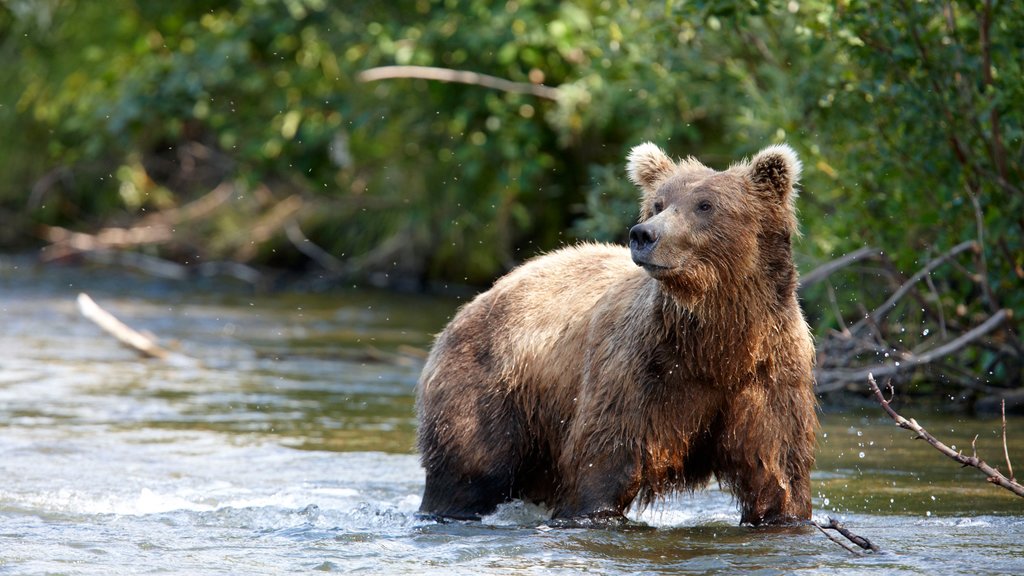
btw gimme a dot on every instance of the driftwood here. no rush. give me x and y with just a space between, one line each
120 246
125 334
152 229
833 524
847 356
838 378
994 476
458 76
902 291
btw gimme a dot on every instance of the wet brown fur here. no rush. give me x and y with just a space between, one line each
583 381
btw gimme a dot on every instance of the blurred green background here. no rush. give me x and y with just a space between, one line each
907 115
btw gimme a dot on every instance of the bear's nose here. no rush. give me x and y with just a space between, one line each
642 239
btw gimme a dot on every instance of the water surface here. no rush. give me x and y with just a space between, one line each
288 447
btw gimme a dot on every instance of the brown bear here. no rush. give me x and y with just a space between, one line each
599 374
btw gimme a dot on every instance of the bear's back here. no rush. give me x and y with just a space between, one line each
531 326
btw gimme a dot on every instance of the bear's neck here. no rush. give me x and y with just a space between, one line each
729 325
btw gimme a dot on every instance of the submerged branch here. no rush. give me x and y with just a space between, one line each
836 525
846 546
994 476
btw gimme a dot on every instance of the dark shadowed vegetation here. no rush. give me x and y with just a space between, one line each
238 137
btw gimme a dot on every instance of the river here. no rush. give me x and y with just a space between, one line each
287 447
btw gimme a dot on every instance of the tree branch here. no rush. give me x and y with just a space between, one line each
458 76
1006 451
994 476
823 271
836 379
879 313
124 334
311 250
846 546
860 541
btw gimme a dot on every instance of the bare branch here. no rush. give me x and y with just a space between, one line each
941 315
860 541
823 271
106 237
1006 451
124 334
846 546
994 476
458 76
983 280
835 309
879 313
835 379
311 250
153 229
268 225
198 208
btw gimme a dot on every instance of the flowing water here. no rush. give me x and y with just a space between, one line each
287 446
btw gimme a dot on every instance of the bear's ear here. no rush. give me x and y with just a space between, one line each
776 169
648 165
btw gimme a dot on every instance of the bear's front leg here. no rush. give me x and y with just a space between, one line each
767 451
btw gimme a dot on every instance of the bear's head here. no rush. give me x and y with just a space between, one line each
703 230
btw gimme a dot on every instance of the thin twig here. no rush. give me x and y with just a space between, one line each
983 279
994 476
835 309
1006 451
938 304
459 76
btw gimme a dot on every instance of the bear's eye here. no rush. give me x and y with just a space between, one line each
704 206
658 206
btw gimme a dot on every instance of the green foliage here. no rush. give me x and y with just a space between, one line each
934 110
906 114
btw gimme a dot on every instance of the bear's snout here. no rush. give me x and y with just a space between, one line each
642 239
